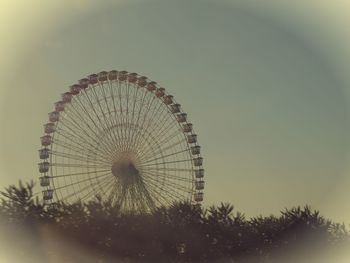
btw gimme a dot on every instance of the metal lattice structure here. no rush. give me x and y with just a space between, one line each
119 136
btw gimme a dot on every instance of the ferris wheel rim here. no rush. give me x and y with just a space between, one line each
95 81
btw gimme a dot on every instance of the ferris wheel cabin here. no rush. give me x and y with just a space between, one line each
187 127
84 83
181 117
199 185
49 127
93 78
75 89
59 106
198 161
102 76
54 116
142 81
160 92
198 197
151 86
123 75
132 77
196 150
192 138
44 153
44 180
47 194
67 97
112 75
44 167
168 99
46 140
199 173
175 108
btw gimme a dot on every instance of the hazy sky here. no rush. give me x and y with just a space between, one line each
266 86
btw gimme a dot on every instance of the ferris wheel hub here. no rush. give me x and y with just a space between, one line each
125 171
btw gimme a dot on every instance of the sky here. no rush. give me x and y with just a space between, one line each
264 83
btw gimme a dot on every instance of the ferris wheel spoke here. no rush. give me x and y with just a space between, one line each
167 169
113 121
136 90
66 145
74 136
169 176
164 156
165 188
78 157
73 116
178 161
84 146
77 165
99 120
136 131
89 127
163 130
82 181
150 132
162 112
119 89
159 135
145 116
106 122
166 180
165 142
150 141
74 148
157 194
127 109
116 132
104 106
163 120
149 154
127 121
75 143
102 190
146 195
119 199
93 109
160 122
76 115
137 106
71 124
132 199
111 192
81 173
123 104
136 199
169 184
104 182
127 126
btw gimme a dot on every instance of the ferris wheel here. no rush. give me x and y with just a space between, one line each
122 137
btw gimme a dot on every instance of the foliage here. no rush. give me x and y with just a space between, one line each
179 233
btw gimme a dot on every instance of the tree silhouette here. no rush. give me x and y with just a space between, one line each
181 232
